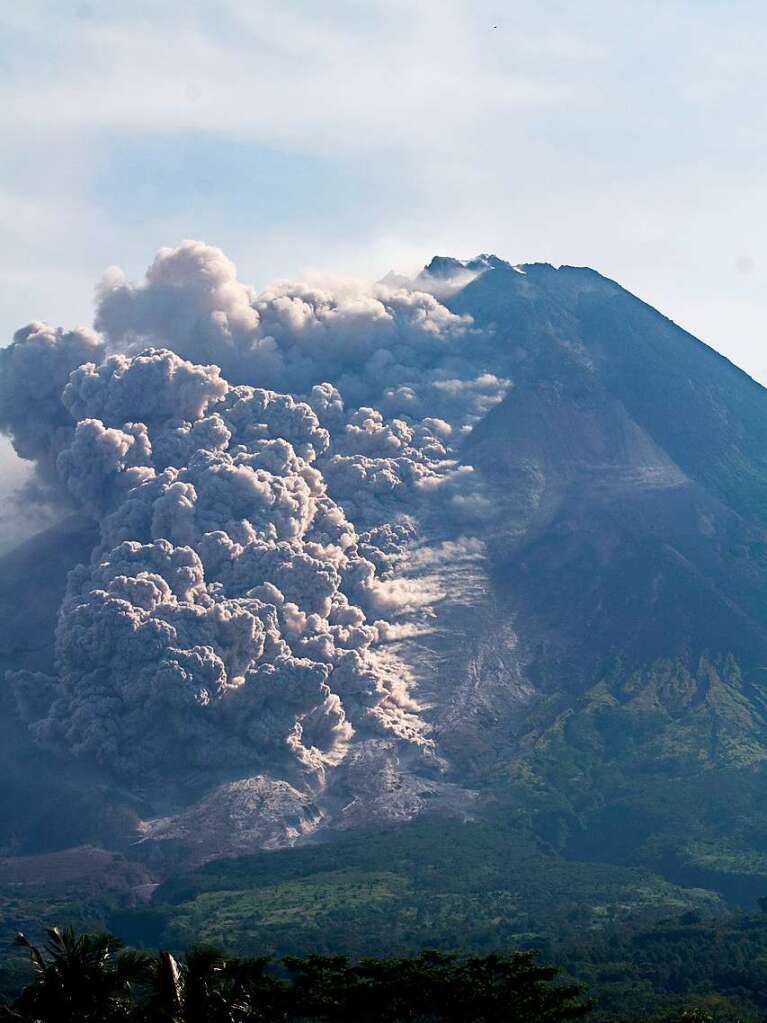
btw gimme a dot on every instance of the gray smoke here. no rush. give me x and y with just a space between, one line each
249 539
34 369
227 617
393 345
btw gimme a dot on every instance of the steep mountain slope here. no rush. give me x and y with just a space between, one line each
630 461
573 327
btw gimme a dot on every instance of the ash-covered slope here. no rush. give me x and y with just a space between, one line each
573 328
632 462
493 546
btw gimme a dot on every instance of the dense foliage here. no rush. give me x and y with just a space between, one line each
428 884
684 971
644 948
719 965
90 979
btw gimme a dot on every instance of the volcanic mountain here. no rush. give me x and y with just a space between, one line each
591 670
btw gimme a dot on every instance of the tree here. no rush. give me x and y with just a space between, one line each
433 986
91 979
208 986
497 987
691 1015
83 978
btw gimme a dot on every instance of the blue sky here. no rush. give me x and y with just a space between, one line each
357 137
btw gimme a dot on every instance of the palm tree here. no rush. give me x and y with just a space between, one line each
79 979
210 987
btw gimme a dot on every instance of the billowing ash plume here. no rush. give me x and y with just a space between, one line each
249 538
34 369
393 345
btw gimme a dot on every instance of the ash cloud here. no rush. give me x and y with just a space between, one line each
392 344
259 466
227 617
34 370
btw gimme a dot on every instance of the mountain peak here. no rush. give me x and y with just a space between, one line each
444 267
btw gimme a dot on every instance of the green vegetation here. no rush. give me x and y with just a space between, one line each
718 965
662 767
26 911
91 979
430 884
681 970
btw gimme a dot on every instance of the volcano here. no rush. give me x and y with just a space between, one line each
590 670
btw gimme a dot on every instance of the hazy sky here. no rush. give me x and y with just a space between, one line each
362 136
